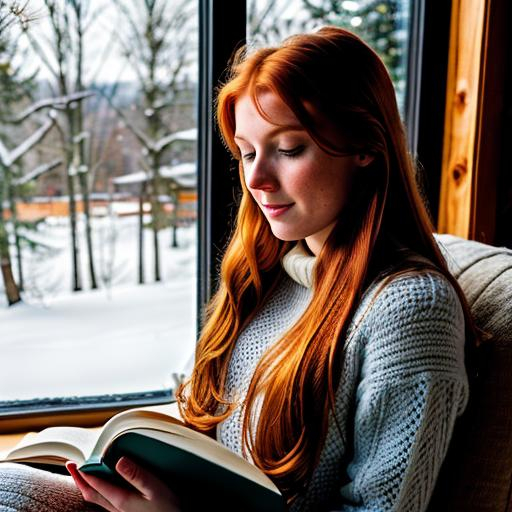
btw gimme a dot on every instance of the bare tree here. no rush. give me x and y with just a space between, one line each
12 11
80 10
63 56
158 45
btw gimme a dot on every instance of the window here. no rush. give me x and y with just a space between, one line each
98 187
125 340
384 25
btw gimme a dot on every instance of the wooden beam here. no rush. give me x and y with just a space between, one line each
474 98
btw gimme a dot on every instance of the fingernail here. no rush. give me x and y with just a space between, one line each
73 471
124 465
71 467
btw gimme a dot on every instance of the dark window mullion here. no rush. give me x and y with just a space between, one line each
222 29
414 69
430 36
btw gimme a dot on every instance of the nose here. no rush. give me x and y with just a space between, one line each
261 176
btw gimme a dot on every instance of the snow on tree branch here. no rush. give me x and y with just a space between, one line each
149 144
37 172
4 153
184 135
56 103
7 157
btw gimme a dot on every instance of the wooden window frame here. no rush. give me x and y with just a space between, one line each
474 104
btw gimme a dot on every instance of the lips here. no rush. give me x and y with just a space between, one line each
275 210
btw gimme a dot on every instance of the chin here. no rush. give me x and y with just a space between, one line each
286 237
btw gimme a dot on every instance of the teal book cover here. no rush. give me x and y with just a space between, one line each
199 483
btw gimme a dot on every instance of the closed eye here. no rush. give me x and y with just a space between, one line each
292 152
248 156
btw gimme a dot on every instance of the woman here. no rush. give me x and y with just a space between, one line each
333 353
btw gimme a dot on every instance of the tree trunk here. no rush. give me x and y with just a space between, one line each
84 189
174 218
77 285
141 232
62 76
11 289
174 242
156 212
78 128
155 219
70 176
14 220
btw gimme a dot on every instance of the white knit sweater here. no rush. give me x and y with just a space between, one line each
403 384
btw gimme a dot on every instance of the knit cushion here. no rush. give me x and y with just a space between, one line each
477 473
485 274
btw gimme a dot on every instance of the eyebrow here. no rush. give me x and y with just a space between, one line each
277 130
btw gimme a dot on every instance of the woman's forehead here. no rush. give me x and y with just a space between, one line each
272 109
267 105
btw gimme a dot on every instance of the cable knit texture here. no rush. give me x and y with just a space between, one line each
25 489
403 384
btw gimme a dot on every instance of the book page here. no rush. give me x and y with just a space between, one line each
71 443
171 409
75 443
134 418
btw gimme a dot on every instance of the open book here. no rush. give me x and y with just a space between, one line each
202 472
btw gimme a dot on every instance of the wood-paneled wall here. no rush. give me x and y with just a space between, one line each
474 99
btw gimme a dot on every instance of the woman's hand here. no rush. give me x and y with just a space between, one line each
151 494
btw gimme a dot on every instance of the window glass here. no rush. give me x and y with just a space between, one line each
384 25
98 189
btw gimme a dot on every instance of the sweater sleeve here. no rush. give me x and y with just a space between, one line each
413 386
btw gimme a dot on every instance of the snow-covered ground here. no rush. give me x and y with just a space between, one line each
121 338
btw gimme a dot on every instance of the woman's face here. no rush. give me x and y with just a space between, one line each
300 188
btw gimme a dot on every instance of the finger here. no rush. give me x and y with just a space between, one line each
119 498
89 494
145 482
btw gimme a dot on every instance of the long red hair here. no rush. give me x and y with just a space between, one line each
345 83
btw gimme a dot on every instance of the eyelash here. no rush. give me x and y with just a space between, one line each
290 153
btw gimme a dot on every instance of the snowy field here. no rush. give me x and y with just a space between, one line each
121 338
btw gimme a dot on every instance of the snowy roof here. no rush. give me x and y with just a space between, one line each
183 174
135 177
187 181
175 171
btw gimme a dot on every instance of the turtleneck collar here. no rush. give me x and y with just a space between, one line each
299 265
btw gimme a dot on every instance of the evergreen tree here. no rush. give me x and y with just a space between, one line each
14 88
382 24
